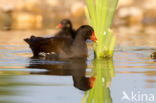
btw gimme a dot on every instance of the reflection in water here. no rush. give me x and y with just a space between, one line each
100 93
75 68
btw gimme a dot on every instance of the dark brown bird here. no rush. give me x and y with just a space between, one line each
66 29
62 47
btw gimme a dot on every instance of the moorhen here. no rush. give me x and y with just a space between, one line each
62 47
66 29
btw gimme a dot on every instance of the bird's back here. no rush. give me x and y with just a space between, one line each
53 45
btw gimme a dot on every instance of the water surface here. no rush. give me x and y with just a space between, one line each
27 80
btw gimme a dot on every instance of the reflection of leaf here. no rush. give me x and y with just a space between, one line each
100 93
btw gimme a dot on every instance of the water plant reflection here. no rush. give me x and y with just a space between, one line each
104 72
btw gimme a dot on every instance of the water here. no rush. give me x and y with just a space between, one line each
27 80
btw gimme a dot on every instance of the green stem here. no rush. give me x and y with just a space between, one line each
100 15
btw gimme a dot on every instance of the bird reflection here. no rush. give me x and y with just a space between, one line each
75 67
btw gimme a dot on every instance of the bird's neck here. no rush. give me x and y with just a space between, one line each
80 46
79 40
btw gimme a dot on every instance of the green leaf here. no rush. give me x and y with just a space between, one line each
100 14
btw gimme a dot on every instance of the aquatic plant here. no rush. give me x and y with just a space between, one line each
104 72
100 14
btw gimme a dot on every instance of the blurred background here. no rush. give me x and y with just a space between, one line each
134 22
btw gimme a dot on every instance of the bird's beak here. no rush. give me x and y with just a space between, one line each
59 26
93 37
